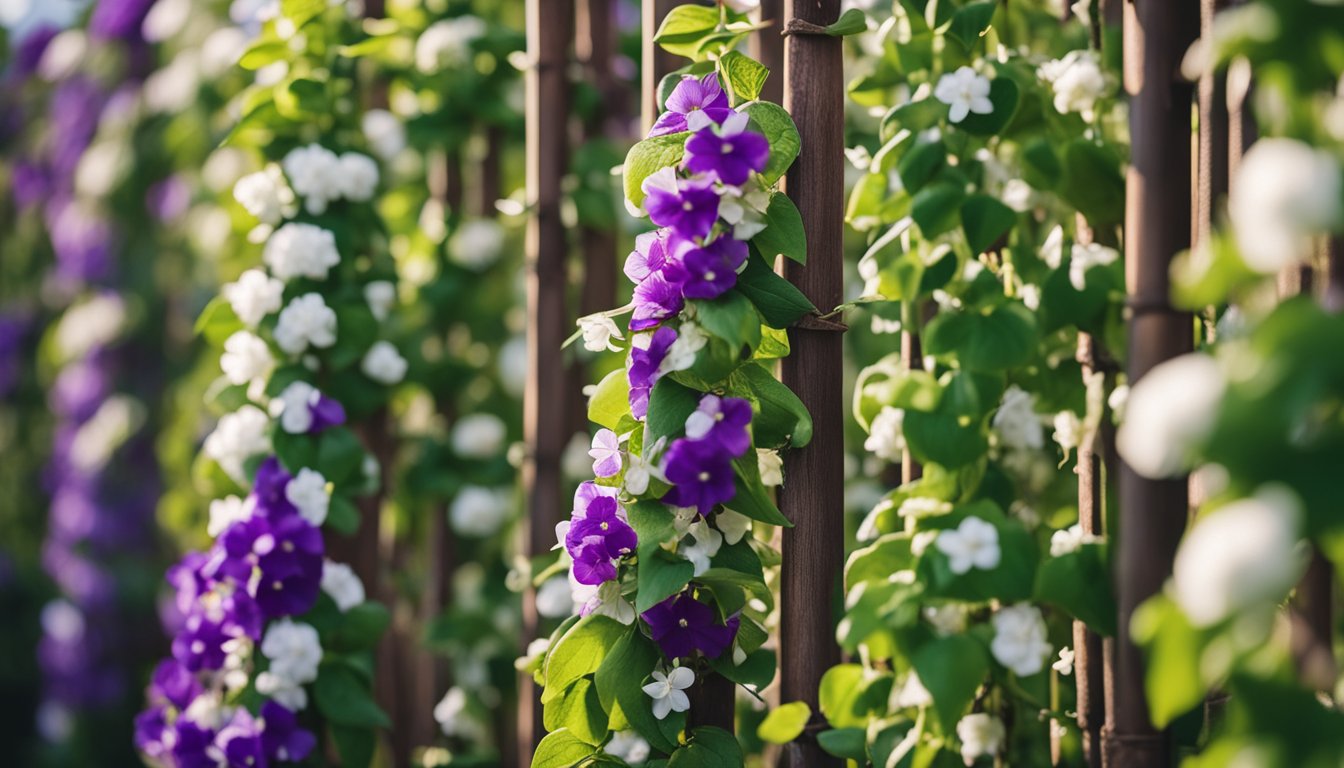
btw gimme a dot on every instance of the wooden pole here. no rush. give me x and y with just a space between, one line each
656 62
1157 226
767 47
549 24
813 491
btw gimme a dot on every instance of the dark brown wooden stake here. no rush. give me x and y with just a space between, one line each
1089 656
1157 226
488 189
1213 132
813 492
549 24
912 357
767 47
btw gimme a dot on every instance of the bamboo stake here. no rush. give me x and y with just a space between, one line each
1157 226
549 24
813 492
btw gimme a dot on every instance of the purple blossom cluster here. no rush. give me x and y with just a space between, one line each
693 254
266 564
682 625
597 535
700 465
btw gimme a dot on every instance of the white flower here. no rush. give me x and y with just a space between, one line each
744 209
1064 665
359 177
1052 250
1086 256
1031 296
292 407
886 435
1068 540
974 543
922 506
965 92
89 324
476 244
1077 81
1020 642
681 355
447 43
705 543
912 693
381 296
598 331
340 581
554 599
1016 420
946 619
383 363
1168 413
1068 430
455 719
227 511
307 320
605 451
668 691
478 436
478 511
308 491
246 358
628 746
1239 555
294 652
734 525
1117 401
604 600
1285 192
385 132
743 6
253 296
265 195
638 472
980 735
237 437
301 250
315 174
771 467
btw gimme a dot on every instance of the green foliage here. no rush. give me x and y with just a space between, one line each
785 722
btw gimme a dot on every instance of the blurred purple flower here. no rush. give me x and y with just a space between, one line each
282 737
722 422
122 19
168 199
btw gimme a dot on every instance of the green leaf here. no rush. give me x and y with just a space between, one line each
620 680
741 77
948 435
579 711
1005 337
1080 583
750 497
708 747
783 419
611 401
685 27
342 515
578 652
919 165
985 220
772 121
779 302
217 322
1004 95
785 723
1174 653
355 746
651 520
951 668
935 208
783 234
344 699
850 743
971 21
302 98
661 575
1040 165
865 202
340 457
669 405
851 22
264 53
758 669
647 158
361 627
561 749
731 317
1092 183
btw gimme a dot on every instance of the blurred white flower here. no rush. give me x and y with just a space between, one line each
681 355
294 652
1168 413
342 584
1077 80
912 693
1239 555
301 250
227 511
385 132
628 746
476 244
359 177
383 363
1086 256
1016 421
598 332
1052 250
237 437
478 511
456 720
246 358
886 435
307 320
253 296
1064 665
478 436
315 174
1285 193
1068 540
771 466
734 525
947 619
604 600
964 91
1068 430
308 492
1020 642
705 543
981 735
447 43
974 543
554 599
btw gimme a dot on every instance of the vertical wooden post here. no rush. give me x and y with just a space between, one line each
813 490
1213 131
912 357
656 62
1089 653
767 47
1157 226
549 24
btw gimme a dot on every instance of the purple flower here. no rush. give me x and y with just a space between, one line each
721 421
606 453
168 199
701 473
192 746
31 48
597 540
730 154
82 240
587 493
200 643
173 684
119 18
151 728
688 206
691 96
644 364
326 412
682 625
240 741
31 183
711 270
656 299
651 254
289 557
268 490
282 737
